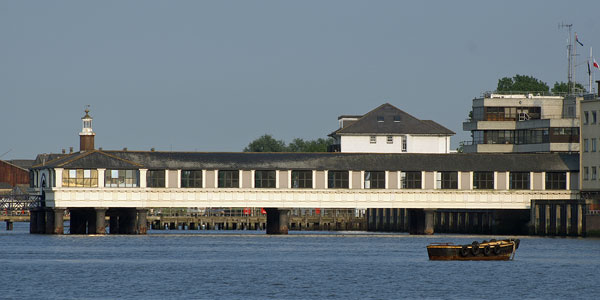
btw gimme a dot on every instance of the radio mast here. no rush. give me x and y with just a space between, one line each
571 53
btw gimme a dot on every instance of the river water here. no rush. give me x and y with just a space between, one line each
314 265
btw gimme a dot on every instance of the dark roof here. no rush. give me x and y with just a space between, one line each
369 124
44 158
320 161
22 163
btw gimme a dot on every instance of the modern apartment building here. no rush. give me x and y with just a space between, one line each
523 123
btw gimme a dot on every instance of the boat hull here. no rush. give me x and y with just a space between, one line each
501 250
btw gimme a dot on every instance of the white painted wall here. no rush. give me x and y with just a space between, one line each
415 144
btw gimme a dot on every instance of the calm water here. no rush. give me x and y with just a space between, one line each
251 265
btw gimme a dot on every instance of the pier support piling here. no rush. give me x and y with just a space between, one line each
277 220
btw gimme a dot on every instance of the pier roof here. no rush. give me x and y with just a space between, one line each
515 162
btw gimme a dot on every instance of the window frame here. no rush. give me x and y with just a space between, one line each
522 183
156 178
448 180
191 179
302 179
483 180
80 178
338 179
556 180
228 179
411 180
265 179
122 180
374 180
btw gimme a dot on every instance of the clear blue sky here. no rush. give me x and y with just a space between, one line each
212 76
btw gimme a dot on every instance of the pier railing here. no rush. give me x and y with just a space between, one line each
15 204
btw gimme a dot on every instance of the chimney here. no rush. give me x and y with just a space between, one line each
64 151
151 149
70 150
125 149
86 136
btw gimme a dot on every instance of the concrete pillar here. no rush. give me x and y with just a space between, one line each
552 214
142 221
59 221
9 224
97 221
429 221
277 220
114 224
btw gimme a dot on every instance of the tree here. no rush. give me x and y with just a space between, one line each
563 87
522 83
266 143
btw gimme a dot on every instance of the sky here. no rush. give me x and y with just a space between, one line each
215 75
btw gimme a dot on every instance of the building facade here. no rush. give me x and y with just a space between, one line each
387 129
523 123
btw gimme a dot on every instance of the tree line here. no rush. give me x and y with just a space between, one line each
530 84
267 143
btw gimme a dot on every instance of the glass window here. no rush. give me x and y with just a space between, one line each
593 117
373 139
374 180
264 179
80 178
586 173
586 116
556 181
447 180
403 143
337 179
410 180
302 179
519 180
155 178
379 118
191 178
593 145
585 145
229 179
483 180
594 173
390 139
121 178
397 119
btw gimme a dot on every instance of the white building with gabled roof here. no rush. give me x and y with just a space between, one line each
387 129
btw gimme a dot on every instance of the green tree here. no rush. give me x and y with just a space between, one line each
318 145
266 143
563 87
522 83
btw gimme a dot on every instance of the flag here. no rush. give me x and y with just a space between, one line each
577 40
596 64
589 70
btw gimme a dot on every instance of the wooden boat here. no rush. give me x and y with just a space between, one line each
486 250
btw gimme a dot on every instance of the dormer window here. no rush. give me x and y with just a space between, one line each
379 118
396 119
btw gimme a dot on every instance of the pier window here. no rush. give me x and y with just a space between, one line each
411 180
229 179
519 180
155 178
337 179
121 178
483 180
191 178
447 180
80 178
264 179
374 180
301 179
556 181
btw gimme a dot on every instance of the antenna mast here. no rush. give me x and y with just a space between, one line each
571 57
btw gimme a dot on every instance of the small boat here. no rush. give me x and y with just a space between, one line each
486 250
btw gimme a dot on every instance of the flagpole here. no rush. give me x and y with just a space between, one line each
589 71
